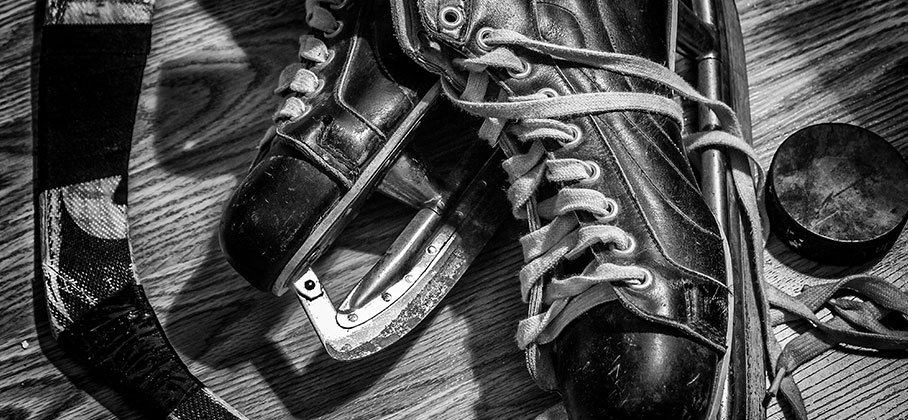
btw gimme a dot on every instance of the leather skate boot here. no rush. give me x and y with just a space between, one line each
350 109
627 273
352 91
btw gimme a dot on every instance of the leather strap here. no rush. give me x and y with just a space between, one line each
92 59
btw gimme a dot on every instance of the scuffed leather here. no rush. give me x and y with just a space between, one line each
271 214
625 362
308 165
370 92
643 163
656 352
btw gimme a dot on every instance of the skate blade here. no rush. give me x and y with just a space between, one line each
334 221
350 334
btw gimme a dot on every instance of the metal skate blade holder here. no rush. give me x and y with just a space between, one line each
709 32
453 221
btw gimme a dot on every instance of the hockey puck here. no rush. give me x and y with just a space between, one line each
837 193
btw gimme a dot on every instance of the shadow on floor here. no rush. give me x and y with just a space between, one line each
213 107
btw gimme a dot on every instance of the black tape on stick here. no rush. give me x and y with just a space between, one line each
92 59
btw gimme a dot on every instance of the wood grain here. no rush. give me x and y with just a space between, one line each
204 105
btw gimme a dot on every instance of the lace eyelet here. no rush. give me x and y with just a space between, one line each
328 59
551 93
576 133
527 69
450 17
336 31
642 284
292 109
318 88
628 249
481 36
612 210
594 172
341 5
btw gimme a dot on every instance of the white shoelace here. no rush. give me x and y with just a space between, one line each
299 81
534 118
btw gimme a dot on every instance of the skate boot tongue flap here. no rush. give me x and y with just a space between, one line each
413 39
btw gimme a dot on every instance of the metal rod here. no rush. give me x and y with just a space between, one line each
713 178
385 273
408 182
713 161
695 34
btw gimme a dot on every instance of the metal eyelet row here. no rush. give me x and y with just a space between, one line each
480 39
340 24
481 36
611 210
551 93
523 73
336 31
593 169
341 5
629 247
575 130
643 283
451 17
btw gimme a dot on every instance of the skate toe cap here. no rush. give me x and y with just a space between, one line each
270 215
612 364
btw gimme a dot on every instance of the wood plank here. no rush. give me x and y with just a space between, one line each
204 105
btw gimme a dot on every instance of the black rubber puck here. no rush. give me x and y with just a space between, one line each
837 194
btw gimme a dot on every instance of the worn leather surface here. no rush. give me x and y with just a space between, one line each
303 170
644 168
623 366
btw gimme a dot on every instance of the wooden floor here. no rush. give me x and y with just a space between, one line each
206 102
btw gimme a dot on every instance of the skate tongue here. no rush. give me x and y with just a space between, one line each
407 25
414 41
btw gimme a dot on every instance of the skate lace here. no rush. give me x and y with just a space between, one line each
854 322
299 82
531 119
